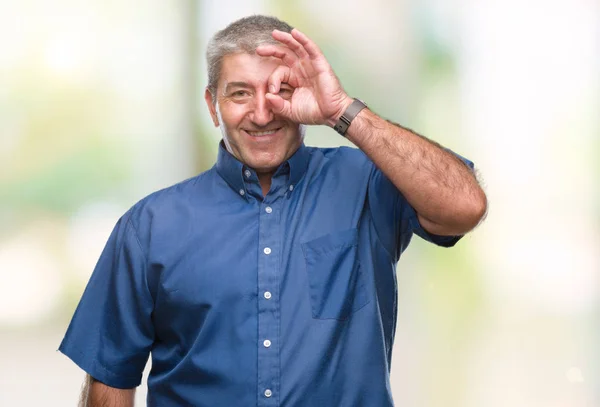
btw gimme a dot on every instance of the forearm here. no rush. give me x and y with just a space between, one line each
441 188
97 394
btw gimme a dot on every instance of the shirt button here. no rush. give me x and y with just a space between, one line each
267 295
267 250
267 343
291 187
268 393
268 209
242 192
247 173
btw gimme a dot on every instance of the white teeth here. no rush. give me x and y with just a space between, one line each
261 133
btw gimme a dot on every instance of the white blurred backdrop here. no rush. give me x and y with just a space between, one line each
101 103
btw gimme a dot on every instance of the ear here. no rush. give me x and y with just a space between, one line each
208 97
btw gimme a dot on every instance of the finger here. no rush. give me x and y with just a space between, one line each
280 106
287 39
311 48
283 53
280 74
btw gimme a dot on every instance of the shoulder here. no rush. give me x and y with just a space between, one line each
349 160
175 198
343 169
342 155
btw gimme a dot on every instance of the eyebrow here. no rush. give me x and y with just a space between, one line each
236 85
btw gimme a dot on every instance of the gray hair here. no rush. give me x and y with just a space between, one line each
243 35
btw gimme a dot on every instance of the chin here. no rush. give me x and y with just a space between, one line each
266 159
266 165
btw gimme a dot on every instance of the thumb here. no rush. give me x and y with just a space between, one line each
280 106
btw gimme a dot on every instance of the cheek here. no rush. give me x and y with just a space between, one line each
232 114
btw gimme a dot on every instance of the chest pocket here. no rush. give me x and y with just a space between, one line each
336 284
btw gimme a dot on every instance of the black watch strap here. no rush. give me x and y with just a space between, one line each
344 122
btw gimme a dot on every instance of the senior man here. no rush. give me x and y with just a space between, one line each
269 280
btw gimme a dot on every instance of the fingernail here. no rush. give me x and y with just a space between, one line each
272 88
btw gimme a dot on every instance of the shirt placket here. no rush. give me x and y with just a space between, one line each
269 303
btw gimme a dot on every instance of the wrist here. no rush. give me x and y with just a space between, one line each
350 113
346 102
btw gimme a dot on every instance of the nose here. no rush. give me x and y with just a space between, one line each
261 113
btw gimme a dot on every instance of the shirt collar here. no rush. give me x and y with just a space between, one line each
231 169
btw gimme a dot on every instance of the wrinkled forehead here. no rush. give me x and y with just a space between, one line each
250 69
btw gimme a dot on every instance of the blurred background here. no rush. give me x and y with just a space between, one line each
101 103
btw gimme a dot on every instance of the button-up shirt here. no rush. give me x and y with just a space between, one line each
287 299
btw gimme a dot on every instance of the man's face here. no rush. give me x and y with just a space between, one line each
251 131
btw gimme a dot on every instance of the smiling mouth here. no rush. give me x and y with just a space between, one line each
262 133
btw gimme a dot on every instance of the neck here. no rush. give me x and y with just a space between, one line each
265 182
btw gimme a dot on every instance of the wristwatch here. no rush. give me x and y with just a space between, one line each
344 122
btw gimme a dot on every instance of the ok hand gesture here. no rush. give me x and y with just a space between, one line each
318 97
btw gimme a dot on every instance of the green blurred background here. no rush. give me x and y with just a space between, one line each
101 103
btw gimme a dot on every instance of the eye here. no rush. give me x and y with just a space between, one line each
286 92
239 93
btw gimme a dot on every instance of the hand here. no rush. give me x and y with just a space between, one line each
318 97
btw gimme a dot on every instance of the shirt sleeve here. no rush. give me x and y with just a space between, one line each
111 333
395 220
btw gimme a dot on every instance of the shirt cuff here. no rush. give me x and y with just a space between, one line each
96 370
